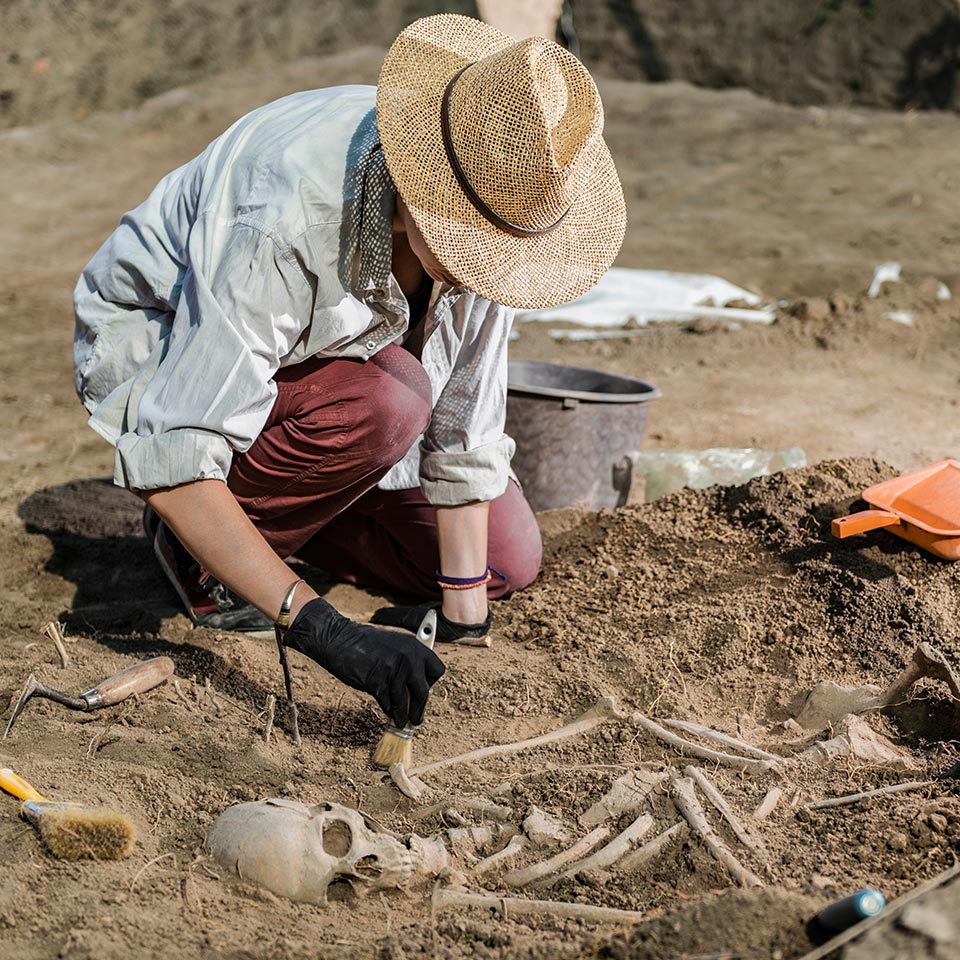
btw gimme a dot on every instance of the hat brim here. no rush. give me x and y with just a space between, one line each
525 272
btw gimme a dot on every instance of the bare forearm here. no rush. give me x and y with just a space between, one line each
210 523
462 535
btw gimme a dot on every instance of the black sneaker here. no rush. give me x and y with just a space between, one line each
207 601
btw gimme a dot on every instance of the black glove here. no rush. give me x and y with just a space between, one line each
448 631
396 670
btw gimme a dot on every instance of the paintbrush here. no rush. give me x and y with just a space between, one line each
72 831
396 744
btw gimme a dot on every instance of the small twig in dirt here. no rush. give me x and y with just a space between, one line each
609 853
705 753
768 803
184 699
515 845
271 710
537 871
600 712
409 786
98 740
717 737
208 691
685 798
866 794
148 864
717 799
653 848
54 631
446 897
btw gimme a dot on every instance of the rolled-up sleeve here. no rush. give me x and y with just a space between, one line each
207 391
465 455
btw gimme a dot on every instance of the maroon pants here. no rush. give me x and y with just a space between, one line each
309 482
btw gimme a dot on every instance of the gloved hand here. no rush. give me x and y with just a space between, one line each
396 670
448 631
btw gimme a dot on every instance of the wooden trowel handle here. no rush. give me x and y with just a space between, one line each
862 522
139 678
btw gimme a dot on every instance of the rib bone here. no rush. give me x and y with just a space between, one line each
653 848
717 737
608 854
718 800
685 798
537 871
705 753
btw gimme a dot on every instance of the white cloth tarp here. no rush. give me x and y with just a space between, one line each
640 297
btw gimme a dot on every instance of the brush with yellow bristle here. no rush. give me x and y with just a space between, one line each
396 744
72 831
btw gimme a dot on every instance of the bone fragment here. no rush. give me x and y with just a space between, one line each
827 702
653 848
685 798
469 838
626 795
768 803
705 753
542 828
717 737
856 738
54 631
478 805
446 897
609 853
495 860
717 799
867 794
600 712
537 871
407 785
927 661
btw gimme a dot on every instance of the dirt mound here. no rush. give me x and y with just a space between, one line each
721 606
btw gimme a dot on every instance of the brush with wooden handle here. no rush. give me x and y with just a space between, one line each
138 678
72 831
396 744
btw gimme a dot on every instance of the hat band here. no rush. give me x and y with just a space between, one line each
468 188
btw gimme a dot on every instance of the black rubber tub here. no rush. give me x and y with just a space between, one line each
575 431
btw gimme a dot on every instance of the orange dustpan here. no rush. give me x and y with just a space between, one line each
922 506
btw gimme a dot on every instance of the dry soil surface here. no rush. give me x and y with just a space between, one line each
722 607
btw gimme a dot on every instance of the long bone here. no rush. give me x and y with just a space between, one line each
927 661
604 709
446 897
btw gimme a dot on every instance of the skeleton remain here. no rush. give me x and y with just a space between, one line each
297 852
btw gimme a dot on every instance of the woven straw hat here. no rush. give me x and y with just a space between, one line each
496 147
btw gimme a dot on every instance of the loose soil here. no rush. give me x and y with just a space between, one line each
720 606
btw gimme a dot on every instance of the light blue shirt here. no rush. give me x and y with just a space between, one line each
245 260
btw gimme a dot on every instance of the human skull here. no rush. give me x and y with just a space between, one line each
296 851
